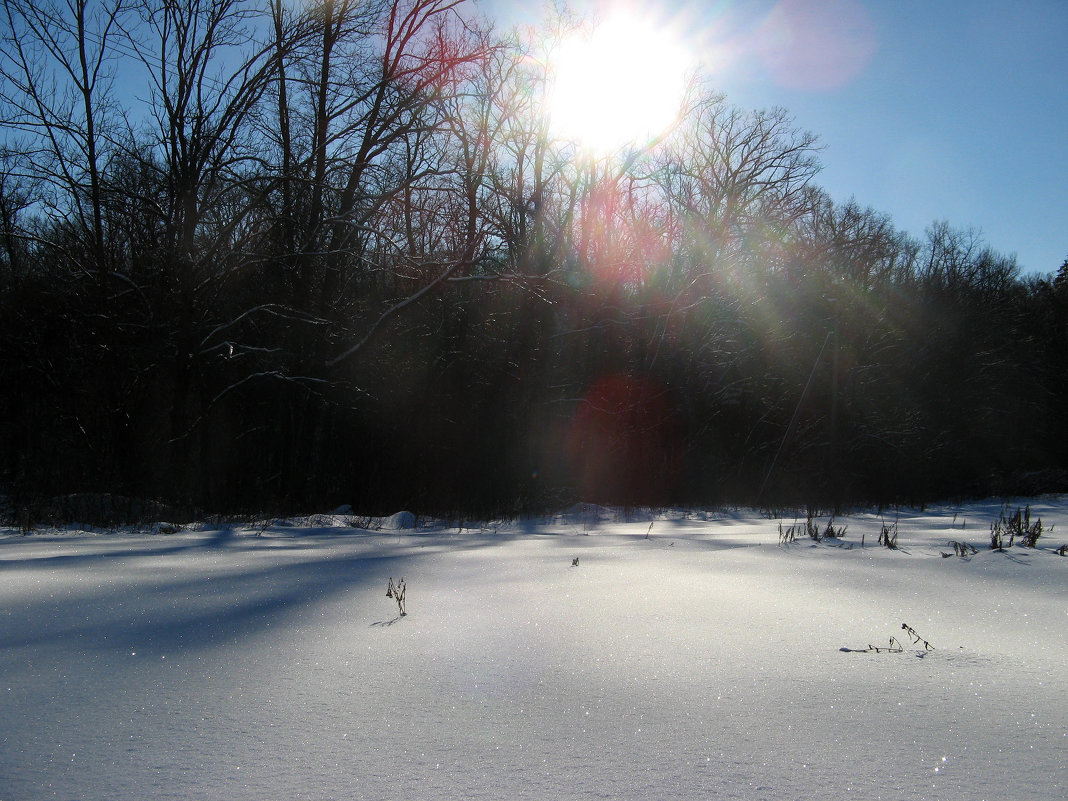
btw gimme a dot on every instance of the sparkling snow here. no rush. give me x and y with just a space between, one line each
695 659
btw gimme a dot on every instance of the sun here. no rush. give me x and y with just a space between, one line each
621 83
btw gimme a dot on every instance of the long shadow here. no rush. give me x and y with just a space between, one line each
221 604
118 545
102 603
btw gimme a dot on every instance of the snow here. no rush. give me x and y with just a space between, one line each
685 656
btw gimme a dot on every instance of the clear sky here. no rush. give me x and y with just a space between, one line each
928 109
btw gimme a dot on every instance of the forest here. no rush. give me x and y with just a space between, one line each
264 257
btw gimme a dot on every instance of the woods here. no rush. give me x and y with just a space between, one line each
255 256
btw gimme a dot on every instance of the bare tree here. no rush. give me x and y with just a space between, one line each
56 76
374 114
732 172
207 75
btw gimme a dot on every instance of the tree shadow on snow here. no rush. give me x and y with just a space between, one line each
110 601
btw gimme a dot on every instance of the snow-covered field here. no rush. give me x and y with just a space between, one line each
694 659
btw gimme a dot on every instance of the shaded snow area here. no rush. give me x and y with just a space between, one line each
684 656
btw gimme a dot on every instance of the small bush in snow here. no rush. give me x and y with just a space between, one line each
963 549
1019 525
1028 532
787 535
807 529
832 533
396 592
811 529
888 536
997 535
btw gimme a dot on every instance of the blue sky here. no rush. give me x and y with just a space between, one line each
928 110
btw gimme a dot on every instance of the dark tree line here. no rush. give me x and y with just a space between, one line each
256 257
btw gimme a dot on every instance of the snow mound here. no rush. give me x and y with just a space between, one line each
399 521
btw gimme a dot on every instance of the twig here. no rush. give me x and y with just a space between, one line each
895 647
916 638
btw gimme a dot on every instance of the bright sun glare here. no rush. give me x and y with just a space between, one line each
622 83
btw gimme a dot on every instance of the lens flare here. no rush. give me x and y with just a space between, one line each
816 45
624 441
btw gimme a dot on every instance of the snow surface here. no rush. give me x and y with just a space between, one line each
694 659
